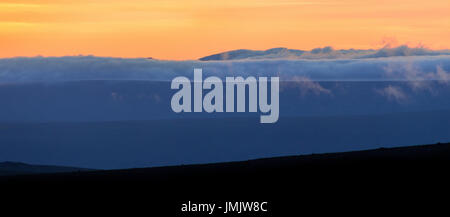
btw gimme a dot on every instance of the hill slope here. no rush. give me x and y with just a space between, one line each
395 180
16 168
407 157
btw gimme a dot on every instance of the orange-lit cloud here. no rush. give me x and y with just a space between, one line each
188 29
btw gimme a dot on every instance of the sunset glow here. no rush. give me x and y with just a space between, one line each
189 29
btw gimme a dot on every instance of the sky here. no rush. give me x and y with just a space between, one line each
190 29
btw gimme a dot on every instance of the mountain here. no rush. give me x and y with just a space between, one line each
255 54
17 168
323 53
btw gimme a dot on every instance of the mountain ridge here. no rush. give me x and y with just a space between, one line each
327 52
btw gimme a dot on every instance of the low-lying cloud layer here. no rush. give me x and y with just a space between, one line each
50 69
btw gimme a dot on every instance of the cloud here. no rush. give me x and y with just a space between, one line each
76 68
441 75
403 50
306 86
393 93
419 79
409 72
325 50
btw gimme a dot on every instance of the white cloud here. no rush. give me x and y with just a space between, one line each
41 69
393 93
307 86
418 78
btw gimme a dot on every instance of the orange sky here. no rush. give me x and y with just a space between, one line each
189 29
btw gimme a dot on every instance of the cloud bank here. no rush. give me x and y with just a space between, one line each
53 69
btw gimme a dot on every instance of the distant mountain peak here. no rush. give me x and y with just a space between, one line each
327 52
254 54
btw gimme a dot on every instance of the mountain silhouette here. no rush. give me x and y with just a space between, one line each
395 180
17 168
407 157
323 53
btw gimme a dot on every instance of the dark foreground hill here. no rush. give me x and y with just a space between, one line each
410 157
395 180
17 168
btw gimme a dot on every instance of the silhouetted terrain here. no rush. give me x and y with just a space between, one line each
398 180
320 53
406 157
17 168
